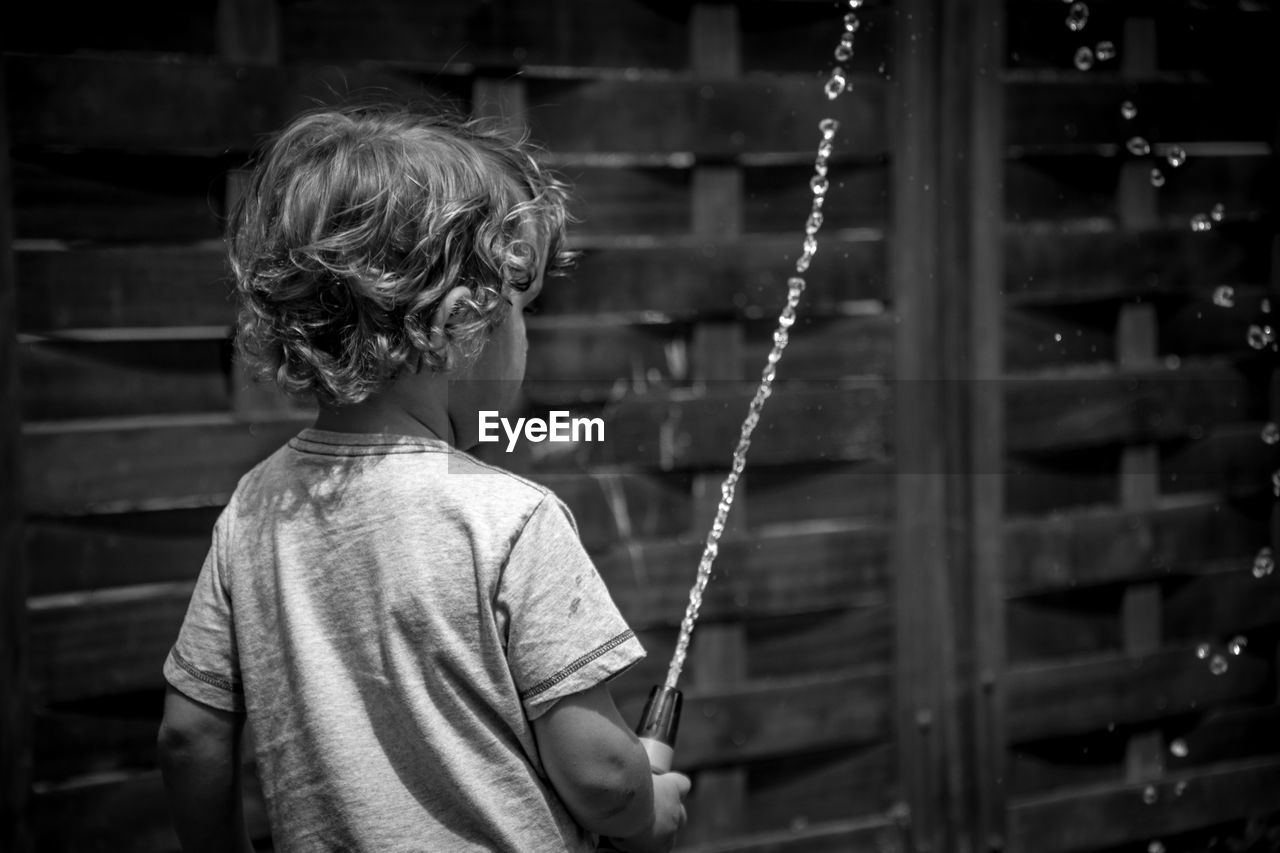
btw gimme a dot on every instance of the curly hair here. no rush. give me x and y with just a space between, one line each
355 224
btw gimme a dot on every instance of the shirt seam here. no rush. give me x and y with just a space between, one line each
551 681
206 677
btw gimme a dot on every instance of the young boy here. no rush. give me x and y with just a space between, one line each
417 639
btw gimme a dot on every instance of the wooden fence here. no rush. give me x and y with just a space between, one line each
1010 480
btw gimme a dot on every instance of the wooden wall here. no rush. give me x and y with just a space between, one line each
893 655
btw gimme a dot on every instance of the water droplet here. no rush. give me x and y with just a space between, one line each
851 23
825 148
1149 795
844 50
1128 110
810 246
1084 58
1256 337
1138 146
1157 177
1200 222
1178 747
1265 307
1271 433
1057 336
1176 155
1275 483
836 84
1105 51
1202 651
819 185
1237 645
813 223
1263 564
1224 296
786 321
1217 212
1217 664
1180 789
855 4
796 285
828 126
1077 17
1155 847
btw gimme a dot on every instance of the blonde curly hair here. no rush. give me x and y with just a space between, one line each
355 224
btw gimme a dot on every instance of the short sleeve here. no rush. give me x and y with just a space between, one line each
564 632
203 664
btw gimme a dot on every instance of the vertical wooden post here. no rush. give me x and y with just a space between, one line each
946 272
718 655
1137 331
15 740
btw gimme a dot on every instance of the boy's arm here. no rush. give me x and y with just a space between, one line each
601 772
199 753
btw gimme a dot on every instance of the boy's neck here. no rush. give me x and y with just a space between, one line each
389 414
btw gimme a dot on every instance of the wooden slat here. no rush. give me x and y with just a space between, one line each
1185 110
720 119
117 196
1104 546
1053 700
14 642
1218 605
853 835
190 286
1230 734
854 637
1105 815
145 463
825 570
1084 186
191 105
110 287
1089 265
795 792
780 717
1130 406
844 421
800 492
86 380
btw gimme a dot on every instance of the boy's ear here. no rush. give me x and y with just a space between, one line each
440 318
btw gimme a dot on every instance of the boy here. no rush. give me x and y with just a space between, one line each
418 640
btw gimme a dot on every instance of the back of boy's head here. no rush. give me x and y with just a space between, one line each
357 222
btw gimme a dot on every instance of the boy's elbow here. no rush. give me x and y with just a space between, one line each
614 796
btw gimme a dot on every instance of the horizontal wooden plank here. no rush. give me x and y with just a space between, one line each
1092 264
842 421
75 379
1075 109
1046 188
1078 623
1060 412
852 835
96 643
710 119
117 196
1227 735
190 285
1053 700
1222 605
186 105
109 287
826 569
1105 815
121 811
799 492
1109 545
780 717
125 465
796 792
152 26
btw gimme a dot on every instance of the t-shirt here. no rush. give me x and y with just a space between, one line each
391 614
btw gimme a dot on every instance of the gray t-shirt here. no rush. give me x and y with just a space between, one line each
391 614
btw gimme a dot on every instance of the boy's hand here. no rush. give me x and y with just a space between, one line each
669 790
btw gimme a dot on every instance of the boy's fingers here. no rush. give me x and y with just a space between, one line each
683 784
